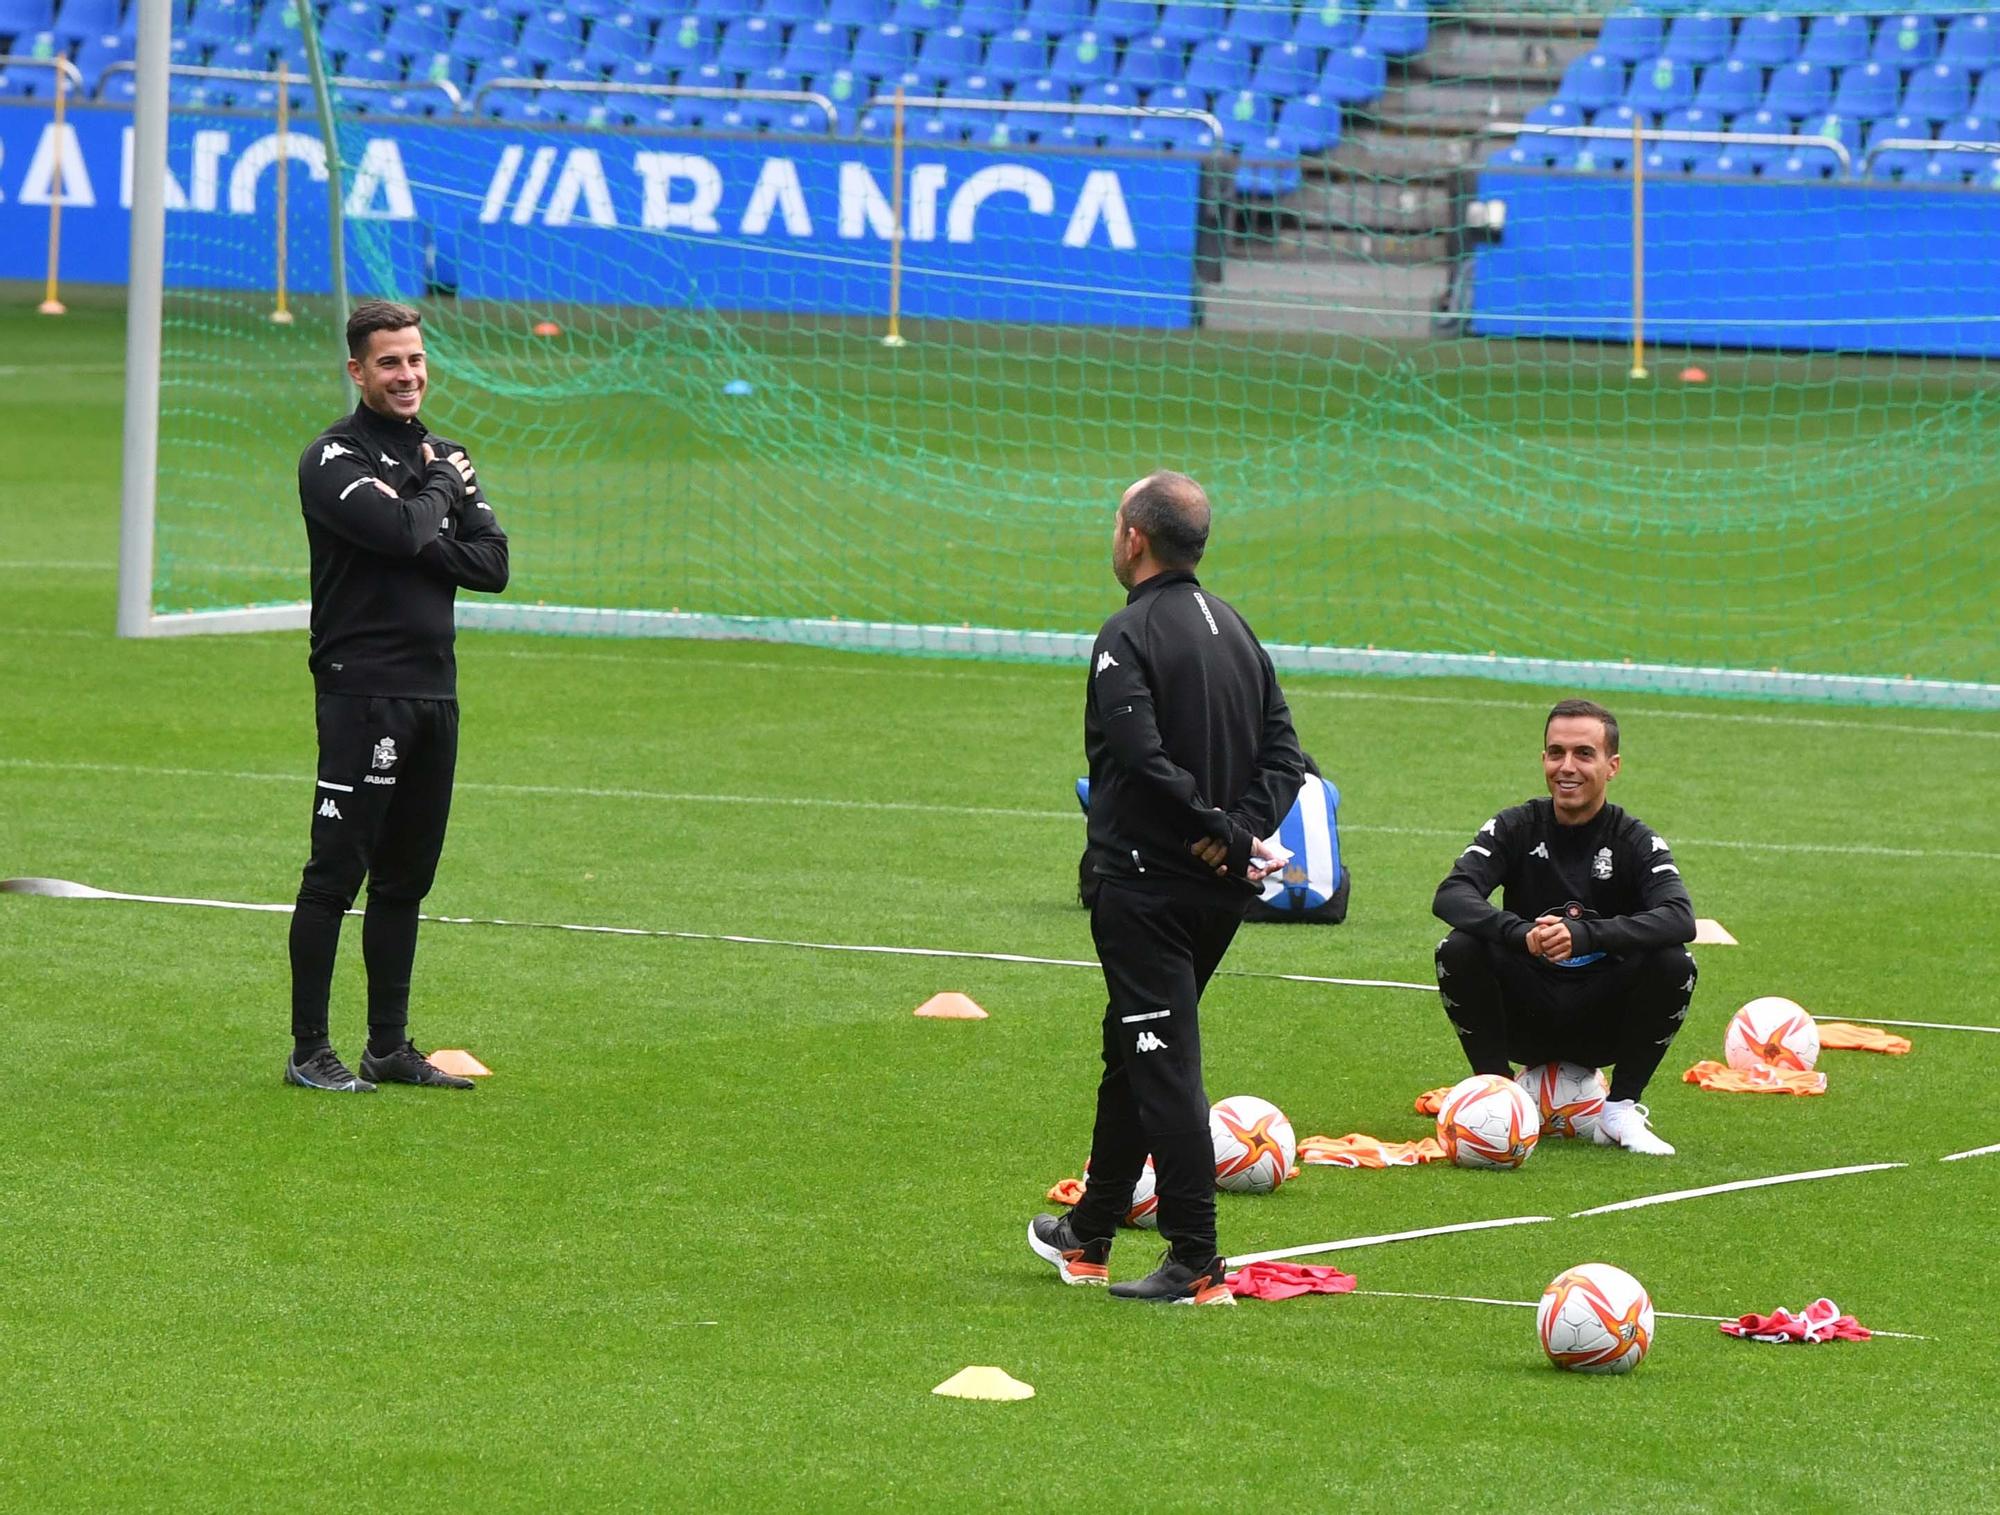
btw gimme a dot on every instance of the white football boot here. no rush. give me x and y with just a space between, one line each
1627 1123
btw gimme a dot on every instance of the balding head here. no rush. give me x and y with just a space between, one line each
1171 511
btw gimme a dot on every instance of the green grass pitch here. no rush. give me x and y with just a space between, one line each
726 1213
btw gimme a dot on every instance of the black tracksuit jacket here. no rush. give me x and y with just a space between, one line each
393 540
1188 736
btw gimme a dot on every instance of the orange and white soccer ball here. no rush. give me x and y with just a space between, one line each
1568 1096
1595 1319
1772 1032
1255 1145
1487 1121
1144 1211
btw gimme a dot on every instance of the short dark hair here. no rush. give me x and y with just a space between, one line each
1587 710
371 316
1172 510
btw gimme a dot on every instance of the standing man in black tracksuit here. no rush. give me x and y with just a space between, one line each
1192 761
397 525
1585 960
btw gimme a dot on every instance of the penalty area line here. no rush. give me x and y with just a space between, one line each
66 889
1676 1195
1352 1243
1975 1152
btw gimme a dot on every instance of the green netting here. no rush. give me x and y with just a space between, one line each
1414 447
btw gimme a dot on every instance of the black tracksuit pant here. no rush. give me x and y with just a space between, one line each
379 811
1505 1005
1159 951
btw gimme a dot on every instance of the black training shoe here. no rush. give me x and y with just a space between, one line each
1175 1283
406 1065
1079 1262
324 1070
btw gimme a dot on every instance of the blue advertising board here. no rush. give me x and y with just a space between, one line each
574 215
1855 267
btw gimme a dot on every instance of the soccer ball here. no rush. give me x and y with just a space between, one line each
1487 1121
1595 1319
1254 1144
1145 1209
1772 1032
1568 1096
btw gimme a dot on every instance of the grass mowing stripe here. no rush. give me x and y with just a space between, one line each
1676 1195
1529 1304
916 807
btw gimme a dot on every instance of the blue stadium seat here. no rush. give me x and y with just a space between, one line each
1246 117
1956 170
1800 89
199 94
1285 68
1272 169
1868 90
1396 28
1021 54
924 15
1355 76
1327 26
1730 86
1906 128
1028 125
1752 158
1255 22
352 26
1804 164
482 34
1192 22
684 44
95 54
946 53
1836 41
1056 18
1733 163
885 52
1592 81
861 12
1938 93
972 87
1124 19
520 107
624 37
418 31
1177 134
1768 41
991 18
1660 85
792 12
1313 121
817 47
1697 38
218 23
1219 65
377 65
1970 129
550 36
749 46
78 19
1150 61
1693 118
1084 58
1619 118
1972 42
1901 164
1602 155
1906 41
21 18
1631 36
718 13
1104 92
1986 98
1666 158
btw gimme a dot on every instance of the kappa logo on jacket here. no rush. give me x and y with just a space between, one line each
1540 850
331 451
1106 660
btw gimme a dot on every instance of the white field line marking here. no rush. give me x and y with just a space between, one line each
1933 1025
1742 1183
65 889
1529 1304
1975 1152
1352 1242
812 802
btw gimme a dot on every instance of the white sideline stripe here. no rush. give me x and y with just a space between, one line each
66 889
1677 1195
1150 1015
1352 1242
329 784
1975 1152
917 807
1933 1025
1529 1304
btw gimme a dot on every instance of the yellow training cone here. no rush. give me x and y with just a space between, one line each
984 1383
951 1007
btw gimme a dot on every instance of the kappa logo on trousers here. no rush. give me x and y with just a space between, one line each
1148 1042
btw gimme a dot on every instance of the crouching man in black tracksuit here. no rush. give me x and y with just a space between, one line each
1192 760
397 525
1585 961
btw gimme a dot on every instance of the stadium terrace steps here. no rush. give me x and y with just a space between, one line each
1331 294
1459 52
